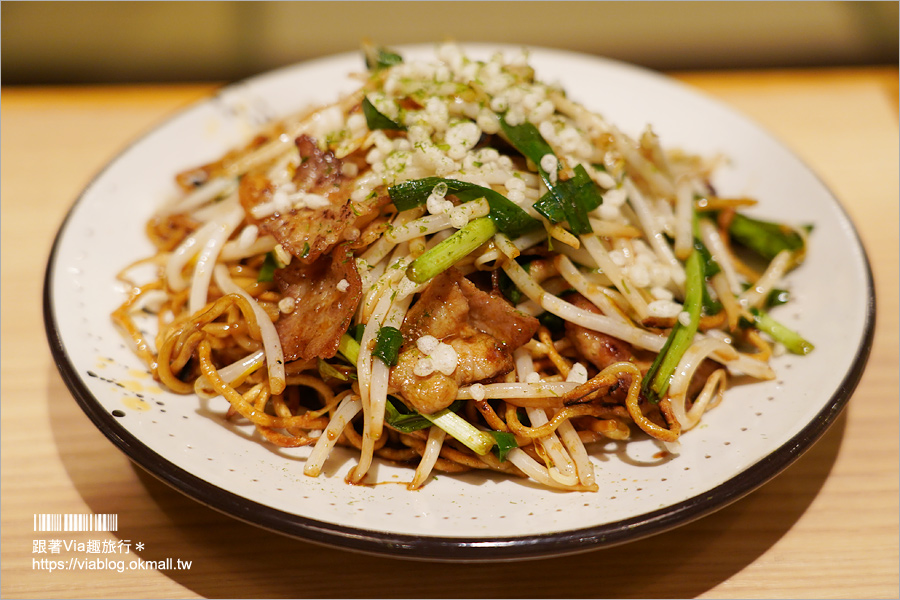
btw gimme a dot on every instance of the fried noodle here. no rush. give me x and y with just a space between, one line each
458 268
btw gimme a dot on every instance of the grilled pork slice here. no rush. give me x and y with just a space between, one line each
326 294
602 350
599 348
451 300
483 329
321 214
479 357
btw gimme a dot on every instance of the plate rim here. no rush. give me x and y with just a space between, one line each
441 548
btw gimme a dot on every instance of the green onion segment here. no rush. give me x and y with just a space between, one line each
445 254
765 238
792 341
506 214
680 338
505 442
270 264
326 370
570 200
375 119
349 348
400 417
387 345
480 442
378 58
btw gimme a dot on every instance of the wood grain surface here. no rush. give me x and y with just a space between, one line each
825 528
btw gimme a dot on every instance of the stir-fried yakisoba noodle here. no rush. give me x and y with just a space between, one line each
458 267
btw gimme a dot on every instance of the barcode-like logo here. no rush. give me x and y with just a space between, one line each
76 522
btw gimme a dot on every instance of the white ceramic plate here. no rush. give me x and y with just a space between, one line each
753 435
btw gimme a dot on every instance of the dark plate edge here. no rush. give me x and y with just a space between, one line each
454 549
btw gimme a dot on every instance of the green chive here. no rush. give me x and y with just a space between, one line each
326 370
792 341
470 436
570 200
505 442
267 271
349 348
444 255
387 345
765 238
375 119
506 214
378 58
656 383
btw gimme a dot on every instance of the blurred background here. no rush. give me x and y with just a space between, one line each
119 42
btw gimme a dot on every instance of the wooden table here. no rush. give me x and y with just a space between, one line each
826 528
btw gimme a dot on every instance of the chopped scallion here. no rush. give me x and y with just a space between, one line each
656 383
398 416
375 119
792 341
349 348
267 271
710 268
777 296
329 371
506 214
445 254
387 345
764 237
526 138
470 436
378 58
569 200
505 442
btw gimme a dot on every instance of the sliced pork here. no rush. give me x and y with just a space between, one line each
322 215
600 349
483 329
451 300
326 294
479 357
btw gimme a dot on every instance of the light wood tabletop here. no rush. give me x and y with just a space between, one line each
825 528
